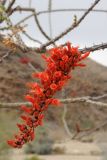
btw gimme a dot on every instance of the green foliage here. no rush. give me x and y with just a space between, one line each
2 9
42 144
33 158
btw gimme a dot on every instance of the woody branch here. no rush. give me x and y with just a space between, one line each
87 99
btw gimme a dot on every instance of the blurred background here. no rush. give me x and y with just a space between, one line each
77 130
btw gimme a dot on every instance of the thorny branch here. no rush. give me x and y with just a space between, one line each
37 50
94 48
58 10
73 26
36 20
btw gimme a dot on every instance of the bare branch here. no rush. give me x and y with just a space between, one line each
73 26
71 10
89 131
94 48
87 99
34 40
99 97
13 105
24 19
86 49
36 20
56 10
84 100
64 116
10 5
32 67
65 122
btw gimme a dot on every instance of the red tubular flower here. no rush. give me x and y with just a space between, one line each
30 98
85 55
53 86
12 143
55 102
22 127
57 74
65 58
26 109
59 64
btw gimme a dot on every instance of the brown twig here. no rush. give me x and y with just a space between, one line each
24 19
57 10
71 10
86 49
36 20
94 48
31 38
72 26
87 132
10 5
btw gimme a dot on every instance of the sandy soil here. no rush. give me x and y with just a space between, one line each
62 157
74 151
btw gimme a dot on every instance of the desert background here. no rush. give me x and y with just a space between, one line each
73 131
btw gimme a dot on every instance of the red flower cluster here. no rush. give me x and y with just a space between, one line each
59 64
